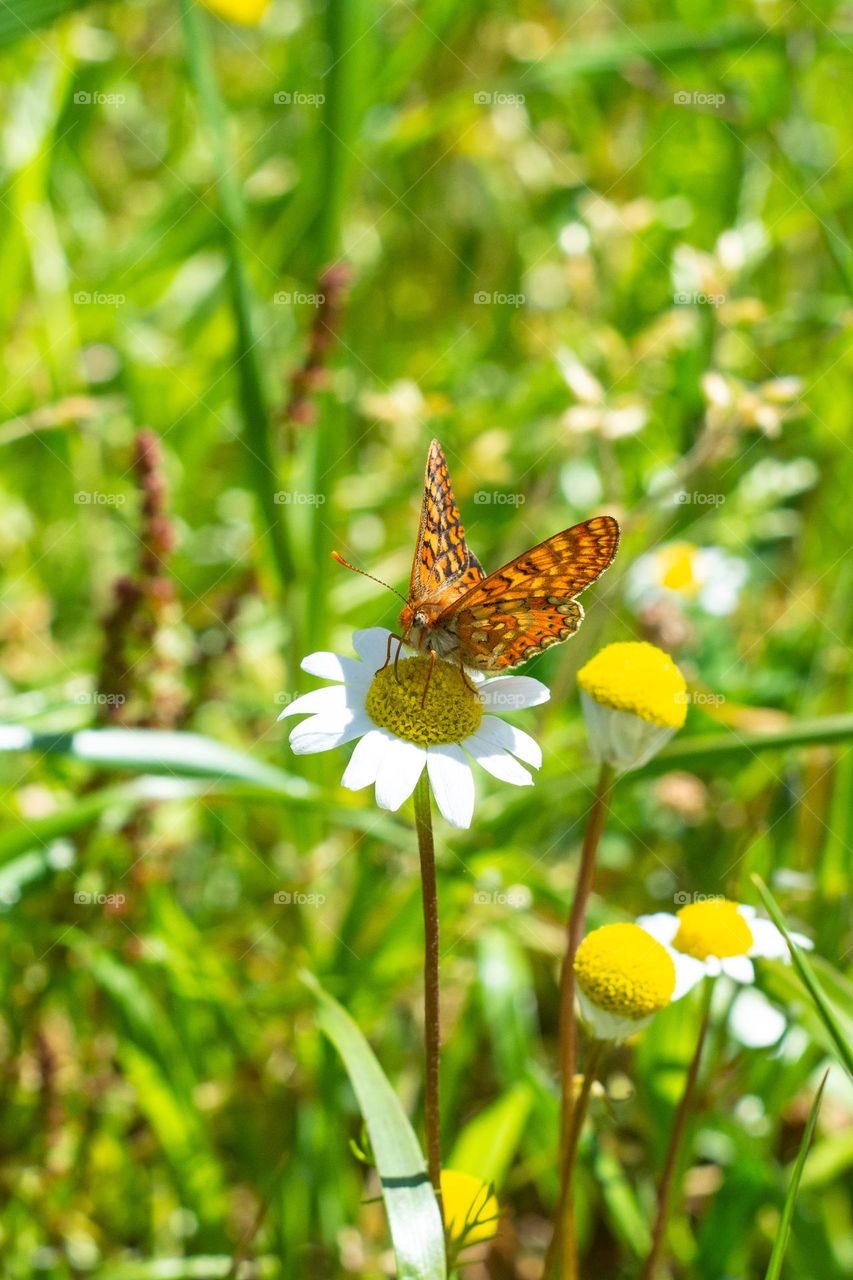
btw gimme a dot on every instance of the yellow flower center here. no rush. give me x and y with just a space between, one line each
624 970
451 711
640 678
470 1209
712 928
676 568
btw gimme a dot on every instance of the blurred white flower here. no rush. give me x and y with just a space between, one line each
764 406
594 412
708 576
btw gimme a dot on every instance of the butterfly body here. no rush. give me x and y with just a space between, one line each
493 622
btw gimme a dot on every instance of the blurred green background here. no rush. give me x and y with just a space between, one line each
602 254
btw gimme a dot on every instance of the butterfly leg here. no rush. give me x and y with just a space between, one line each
432 660
465 679
396 656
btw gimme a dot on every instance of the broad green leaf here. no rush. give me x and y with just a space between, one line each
202 1267
825 1009
630 1223
709 749
159 750
487 1145
413 1214
774 1269
509 1002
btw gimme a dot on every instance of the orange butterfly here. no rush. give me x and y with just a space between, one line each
493 622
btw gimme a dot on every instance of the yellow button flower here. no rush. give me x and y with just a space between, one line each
470 1208
709 936
624 977
247 12
634 698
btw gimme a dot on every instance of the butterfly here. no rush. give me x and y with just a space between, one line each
492 622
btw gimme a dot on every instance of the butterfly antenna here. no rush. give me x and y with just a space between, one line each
364 574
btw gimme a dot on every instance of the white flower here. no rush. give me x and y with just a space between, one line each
708 575
398 738
715 936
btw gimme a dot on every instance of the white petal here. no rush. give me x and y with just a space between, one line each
738 968
688 972
452 783
497 733
371 645
331 666
769 942
366 760
332 698
513 693
755 1021
321 732
662 925
603 1024
500 764
400 767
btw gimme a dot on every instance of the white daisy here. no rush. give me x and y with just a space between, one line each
623 977
708 576
717 936
398 737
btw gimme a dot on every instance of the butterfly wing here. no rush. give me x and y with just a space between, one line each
444 565
529 604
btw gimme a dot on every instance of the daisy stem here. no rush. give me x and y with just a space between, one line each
593 1065
432 1032
676 1140
564 1223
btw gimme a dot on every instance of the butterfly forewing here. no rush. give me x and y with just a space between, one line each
444 565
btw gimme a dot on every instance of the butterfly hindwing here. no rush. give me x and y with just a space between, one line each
496 636
444 564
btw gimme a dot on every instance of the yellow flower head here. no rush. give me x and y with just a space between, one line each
638 678
715 927
624 977
451 711
248 12
470 1207
677 567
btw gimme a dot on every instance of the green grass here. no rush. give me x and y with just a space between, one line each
170 1100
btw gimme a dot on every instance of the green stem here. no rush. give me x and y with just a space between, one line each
676 1140
579 1110
564 1220
432 1026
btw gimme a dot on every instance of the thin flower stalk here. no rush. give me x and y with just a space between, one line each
432 1012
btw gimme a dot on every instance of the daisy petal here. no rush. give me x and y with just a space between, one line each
366 760
497 733
322 732
738 968
332 698
662 925
513 693
452 783
769 942
331 666
371 645
399 769
688 972
500 764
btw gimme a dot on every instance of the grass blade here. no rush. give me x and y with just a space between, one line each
413 1215
159 751
774 1269
808 977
